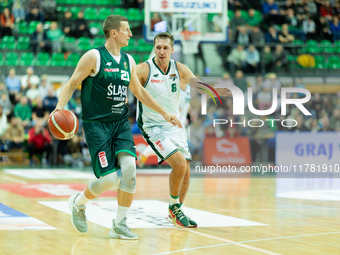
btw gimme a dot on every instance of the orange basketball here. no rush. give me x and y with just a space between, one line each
63 124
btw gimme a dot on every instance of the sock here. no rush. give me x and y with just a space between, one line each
181 204
121 213
174 200
81 199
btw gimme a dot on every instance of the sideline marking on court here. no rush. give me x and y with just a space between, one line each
14 180
242 242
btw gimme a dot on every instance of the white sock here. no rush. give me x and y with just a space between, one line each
174 200
121 213
81 199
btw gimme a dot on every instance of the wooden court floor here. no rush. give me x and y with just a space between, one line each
307 222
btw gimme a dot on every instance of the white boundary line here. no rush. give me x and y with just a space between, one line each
242 242
14 180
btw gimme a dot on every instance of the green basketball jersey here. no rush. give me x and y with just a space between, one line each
103 95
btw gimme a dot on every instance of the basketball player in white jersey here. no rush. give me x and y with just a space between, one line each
162 77
183 111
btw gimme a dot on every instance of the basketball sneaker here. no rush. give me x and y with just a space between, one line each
121 230
78 218
177 216
192 223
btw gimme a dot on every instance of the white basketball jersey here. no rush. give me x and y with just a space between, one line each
165 89
184 104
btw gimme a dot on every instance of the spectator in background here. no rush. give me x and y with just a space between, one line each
39 111
309 29
33 92
290 4
294 25
301 9
81 27
272 35
28 78
242 36
3 89
6 104
39 41
241 82
256 36
271 81
34 11
67 24
238 58
23 111
7 23
236 22
264 98
334 26
316 106
55 37
49 8
155 19
267 58
252 19
18 10
253 59
325 127
15 134
50 102
324 33
326 10
2 77
336 8
13 84
280 58
39 141
300 127
312 8
335 119
3 126
271 13
44 86
285 36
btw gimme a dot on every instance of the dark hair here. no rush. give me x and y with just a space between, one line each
112 22
164 35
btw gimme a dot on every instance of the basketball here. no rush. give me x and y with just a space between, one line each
63 124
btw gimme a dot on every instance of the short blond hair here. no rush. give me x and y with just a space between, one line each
112 22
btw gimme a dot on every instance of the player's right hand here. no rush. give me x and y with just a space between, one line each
172 119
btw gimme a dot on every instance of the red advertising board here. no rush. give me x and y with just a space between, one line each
226 151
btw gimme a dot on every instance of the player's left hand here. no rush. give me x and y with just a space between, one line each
223 92
172 119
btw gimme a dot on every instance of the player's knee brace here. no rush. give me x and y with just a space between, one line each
128 182
103 184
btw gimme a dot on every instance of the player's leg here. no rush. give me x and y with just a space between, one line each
177 175
185 184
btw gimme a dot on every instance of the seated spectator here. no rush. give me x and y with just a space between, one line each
39 40
267 58
49 8
316 105
2 77
39 111
300 127
301 9
334 26
336 8
18 10
240 81
325 127
253 59
280 58
264 98
44 87
7 23
312 8
34 11
236 22
6 104
81 27
322 27
242 36
23 111
271 81
294 25
39 141
55 36
309 29
271 13
33 92
51 101
253 20
290 4
335 119
13 84
285 36
15 134
272 35
238 57
326 10
256 36
67 24
26 79
3 89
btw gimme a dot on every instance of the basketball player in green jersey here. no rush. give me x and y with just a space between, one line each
163 78
106 73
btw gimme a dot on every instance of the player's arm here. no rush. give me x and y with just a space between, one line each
144 96
187 77
86 65
142 72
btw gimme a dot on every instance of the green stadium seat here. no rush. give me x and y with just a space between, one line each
334 59
136 57
320 65
23 43
133 14
84 43
104 12
102 2
32 26
75 10
87 2
1 59
298 43
60 2
291 58
325 43
230 14
313 49
119 11
12 59
62 8
57 59
71 2
337 43
334 66
26 59
90 13
8 42
329 49
96 26
72 59
244 14
115 2
145 57
42 59
22 28
98 41
319 59
69 39
312 43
